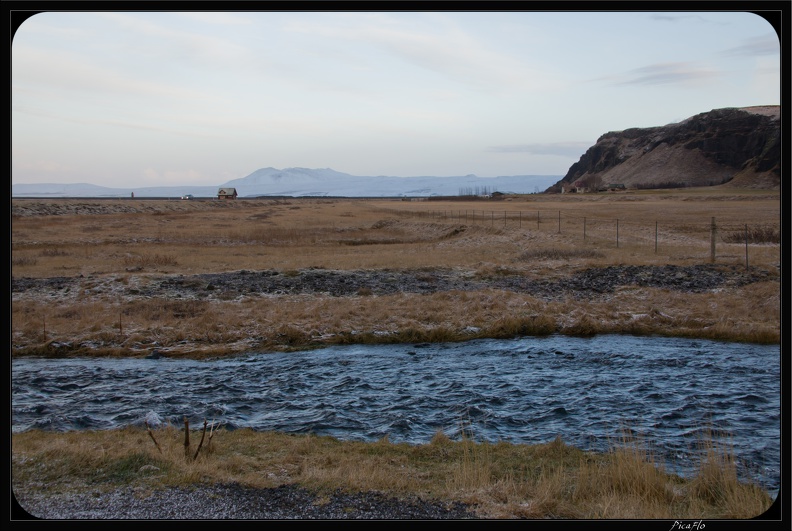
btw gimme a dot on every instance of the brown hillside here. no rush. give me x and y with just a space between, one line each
731 147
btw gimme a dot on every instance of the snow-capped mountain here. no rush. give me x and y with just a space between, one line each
304 182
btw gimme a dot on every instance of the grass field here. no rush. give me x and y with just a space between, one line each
537 236
202 236
134 241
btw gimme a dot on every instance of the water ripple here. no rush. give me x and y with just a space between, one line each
590 391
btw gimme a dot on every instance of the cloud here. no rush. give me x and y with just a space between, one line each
447 50
563 149
680 18
78 119
60 71
767 45
218 17
667 73
193 46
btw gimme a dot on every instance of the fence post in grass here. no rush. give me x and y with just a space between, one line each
120 326
492 218
655 237
505 213
746 246
520 213
712 240
617 233
186 437
152 437
584 228
559 222
200 444
537 220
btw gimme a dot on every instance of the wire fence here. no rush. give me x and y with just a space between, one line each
614 232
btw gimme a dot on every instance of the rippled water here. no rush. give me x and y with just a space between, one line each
670 392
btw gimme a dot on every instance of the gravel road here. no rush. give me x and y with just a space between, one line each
233 502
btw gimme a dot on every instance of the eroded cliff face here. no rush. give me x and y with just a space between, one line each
730 147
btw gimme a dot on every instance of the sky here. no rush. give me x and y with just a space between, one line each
131 99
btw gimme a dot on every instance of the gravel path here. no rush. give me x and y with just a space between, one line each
235 502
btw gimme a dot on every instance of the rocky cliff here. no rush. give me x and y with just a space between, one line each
729 147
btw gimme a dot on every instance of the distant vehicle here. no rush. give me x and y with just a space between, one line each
187 196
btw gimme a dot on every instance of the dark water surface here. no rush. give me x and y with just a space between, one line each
669 392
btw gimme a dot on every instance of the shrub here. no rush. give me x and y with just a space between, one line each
557 254
24 261
148 260
754 235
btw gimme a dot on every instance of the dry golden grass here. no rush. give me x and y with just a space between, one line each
351 234
201 328
502 480
520 235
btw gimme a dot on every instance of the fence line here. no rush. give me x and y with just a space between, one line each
730 232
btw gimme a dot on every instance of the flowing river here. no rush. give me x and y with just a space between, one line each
673 394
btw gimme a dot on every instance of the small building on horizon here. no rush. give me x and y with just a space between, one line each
227 193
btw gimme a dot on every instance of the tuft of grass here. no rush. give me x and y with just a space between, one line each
754 235
148 260
716 484
529 325
54 251
23 261
557 254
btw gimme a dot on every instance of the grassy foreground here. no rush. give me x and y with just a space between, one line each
501 480
133 242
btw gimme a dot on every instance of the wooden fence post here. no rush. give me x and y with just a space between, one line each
617 233
746 246
712 240
186 437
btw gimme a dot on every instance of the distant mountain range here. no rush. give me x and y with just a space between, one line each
739 147
304 182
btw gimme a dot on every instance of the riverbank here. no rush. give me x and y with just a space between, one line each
221 314
125 474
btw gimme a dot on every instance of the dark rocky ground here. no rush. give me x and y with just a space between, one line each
588 283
